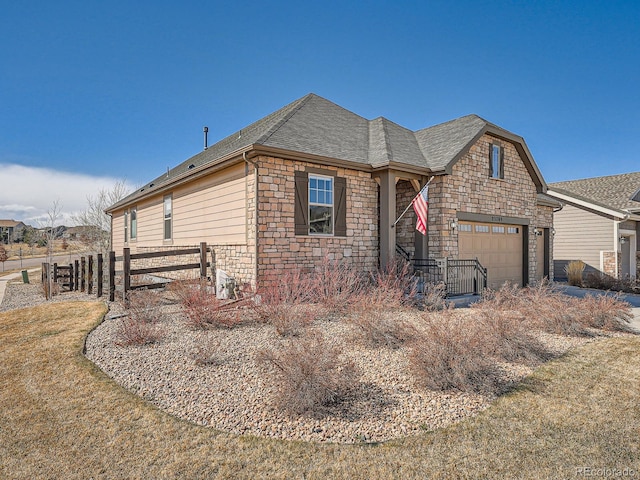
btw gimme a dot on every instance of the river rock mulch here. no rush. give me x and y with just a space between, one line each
235 392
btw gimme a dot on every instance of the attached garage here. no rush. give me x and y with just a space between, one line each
498 247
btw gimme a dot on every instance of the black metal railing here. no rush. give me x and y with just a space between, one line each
462 277
402 252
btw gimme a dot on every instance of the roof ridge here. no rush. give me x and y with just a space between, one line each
302 101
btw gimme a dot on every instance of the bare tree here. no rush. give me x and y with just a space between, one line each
3 256
50 228
97 234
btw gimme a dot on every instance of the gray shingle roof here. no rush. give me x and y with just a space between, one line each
613 191
316 126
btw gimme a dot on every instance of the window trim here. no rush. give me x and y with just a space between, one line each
167 200
320 204
126 226
133 223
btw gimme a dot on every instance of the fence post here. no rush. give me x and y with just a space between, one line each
83 277
55 273
71 277
90 275
76 273
100 274
126 252
445 272
203 260
112 276
46 276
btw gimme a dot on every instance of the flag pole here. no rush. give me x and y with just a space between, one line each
411 203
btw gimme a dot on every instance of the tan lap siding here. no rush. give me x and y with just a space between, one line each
580 235
117 230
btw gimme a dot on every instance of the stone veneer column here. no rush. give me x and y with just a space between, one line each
387 217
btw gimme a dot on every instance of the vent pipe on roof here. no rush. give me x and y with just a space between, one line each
206 131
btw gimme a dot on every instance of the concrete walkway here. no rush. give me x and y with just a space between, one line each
4 279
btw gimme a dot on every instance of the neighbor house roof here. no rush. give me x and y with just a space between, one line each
619 193
9 223
319 129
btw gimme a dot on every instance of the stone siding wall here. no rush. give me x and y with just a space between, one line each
279 250
609 265
469 188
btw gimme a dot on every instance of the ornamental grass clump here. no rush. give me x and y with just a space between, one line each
574 270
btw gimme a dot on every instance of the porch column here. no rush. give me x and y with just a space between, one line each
387 217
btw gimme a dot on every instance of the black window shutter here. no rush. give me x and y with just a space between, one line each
501 162
340 206
301 208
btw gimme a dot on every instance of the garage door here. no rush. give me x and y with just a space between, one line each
498 247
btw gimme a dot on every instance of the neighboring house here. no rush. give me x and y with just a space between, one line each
11 231
599 224
313 180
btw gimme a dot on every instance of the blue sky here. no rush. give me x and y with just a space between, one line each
100 91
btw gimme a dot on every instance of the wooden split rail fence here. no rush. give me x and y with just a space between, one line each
81 276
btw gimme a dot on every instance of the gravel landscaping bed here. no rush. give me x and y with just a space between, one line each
235 393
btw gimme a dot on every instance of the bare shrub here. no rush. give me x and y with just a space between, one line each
607 312
434 297
285 304
311 374
132 331
510 337
201 307
380 327
602 281
206 350
574 271
334 284
144 306
451 354
392 287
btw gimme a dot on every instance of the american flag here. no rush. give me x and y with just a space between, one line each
421 207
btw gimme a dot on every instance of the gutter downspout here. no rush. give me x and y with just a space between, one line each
255 206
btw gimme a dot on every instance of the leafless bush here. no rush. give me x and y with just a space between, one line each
334 284
510 337
132 331
206 350
201 307
601 281
286 304
311 374
380 327
144 306
574 271
392 287
434 297
607 312
451 354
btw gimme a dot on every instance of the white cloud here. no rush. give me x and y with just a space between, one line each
28 193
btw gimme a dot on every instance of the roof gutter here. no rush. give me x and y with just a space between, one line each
589 205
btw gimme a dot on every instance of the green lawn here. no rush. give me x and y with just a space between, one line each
60 417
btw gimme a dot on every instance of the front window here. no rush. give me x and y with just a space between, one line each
126 226
320 205
134 223
497 170
167 217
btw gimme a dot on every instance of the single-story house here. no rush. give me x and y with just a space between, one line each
314 180
11 231
599 224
